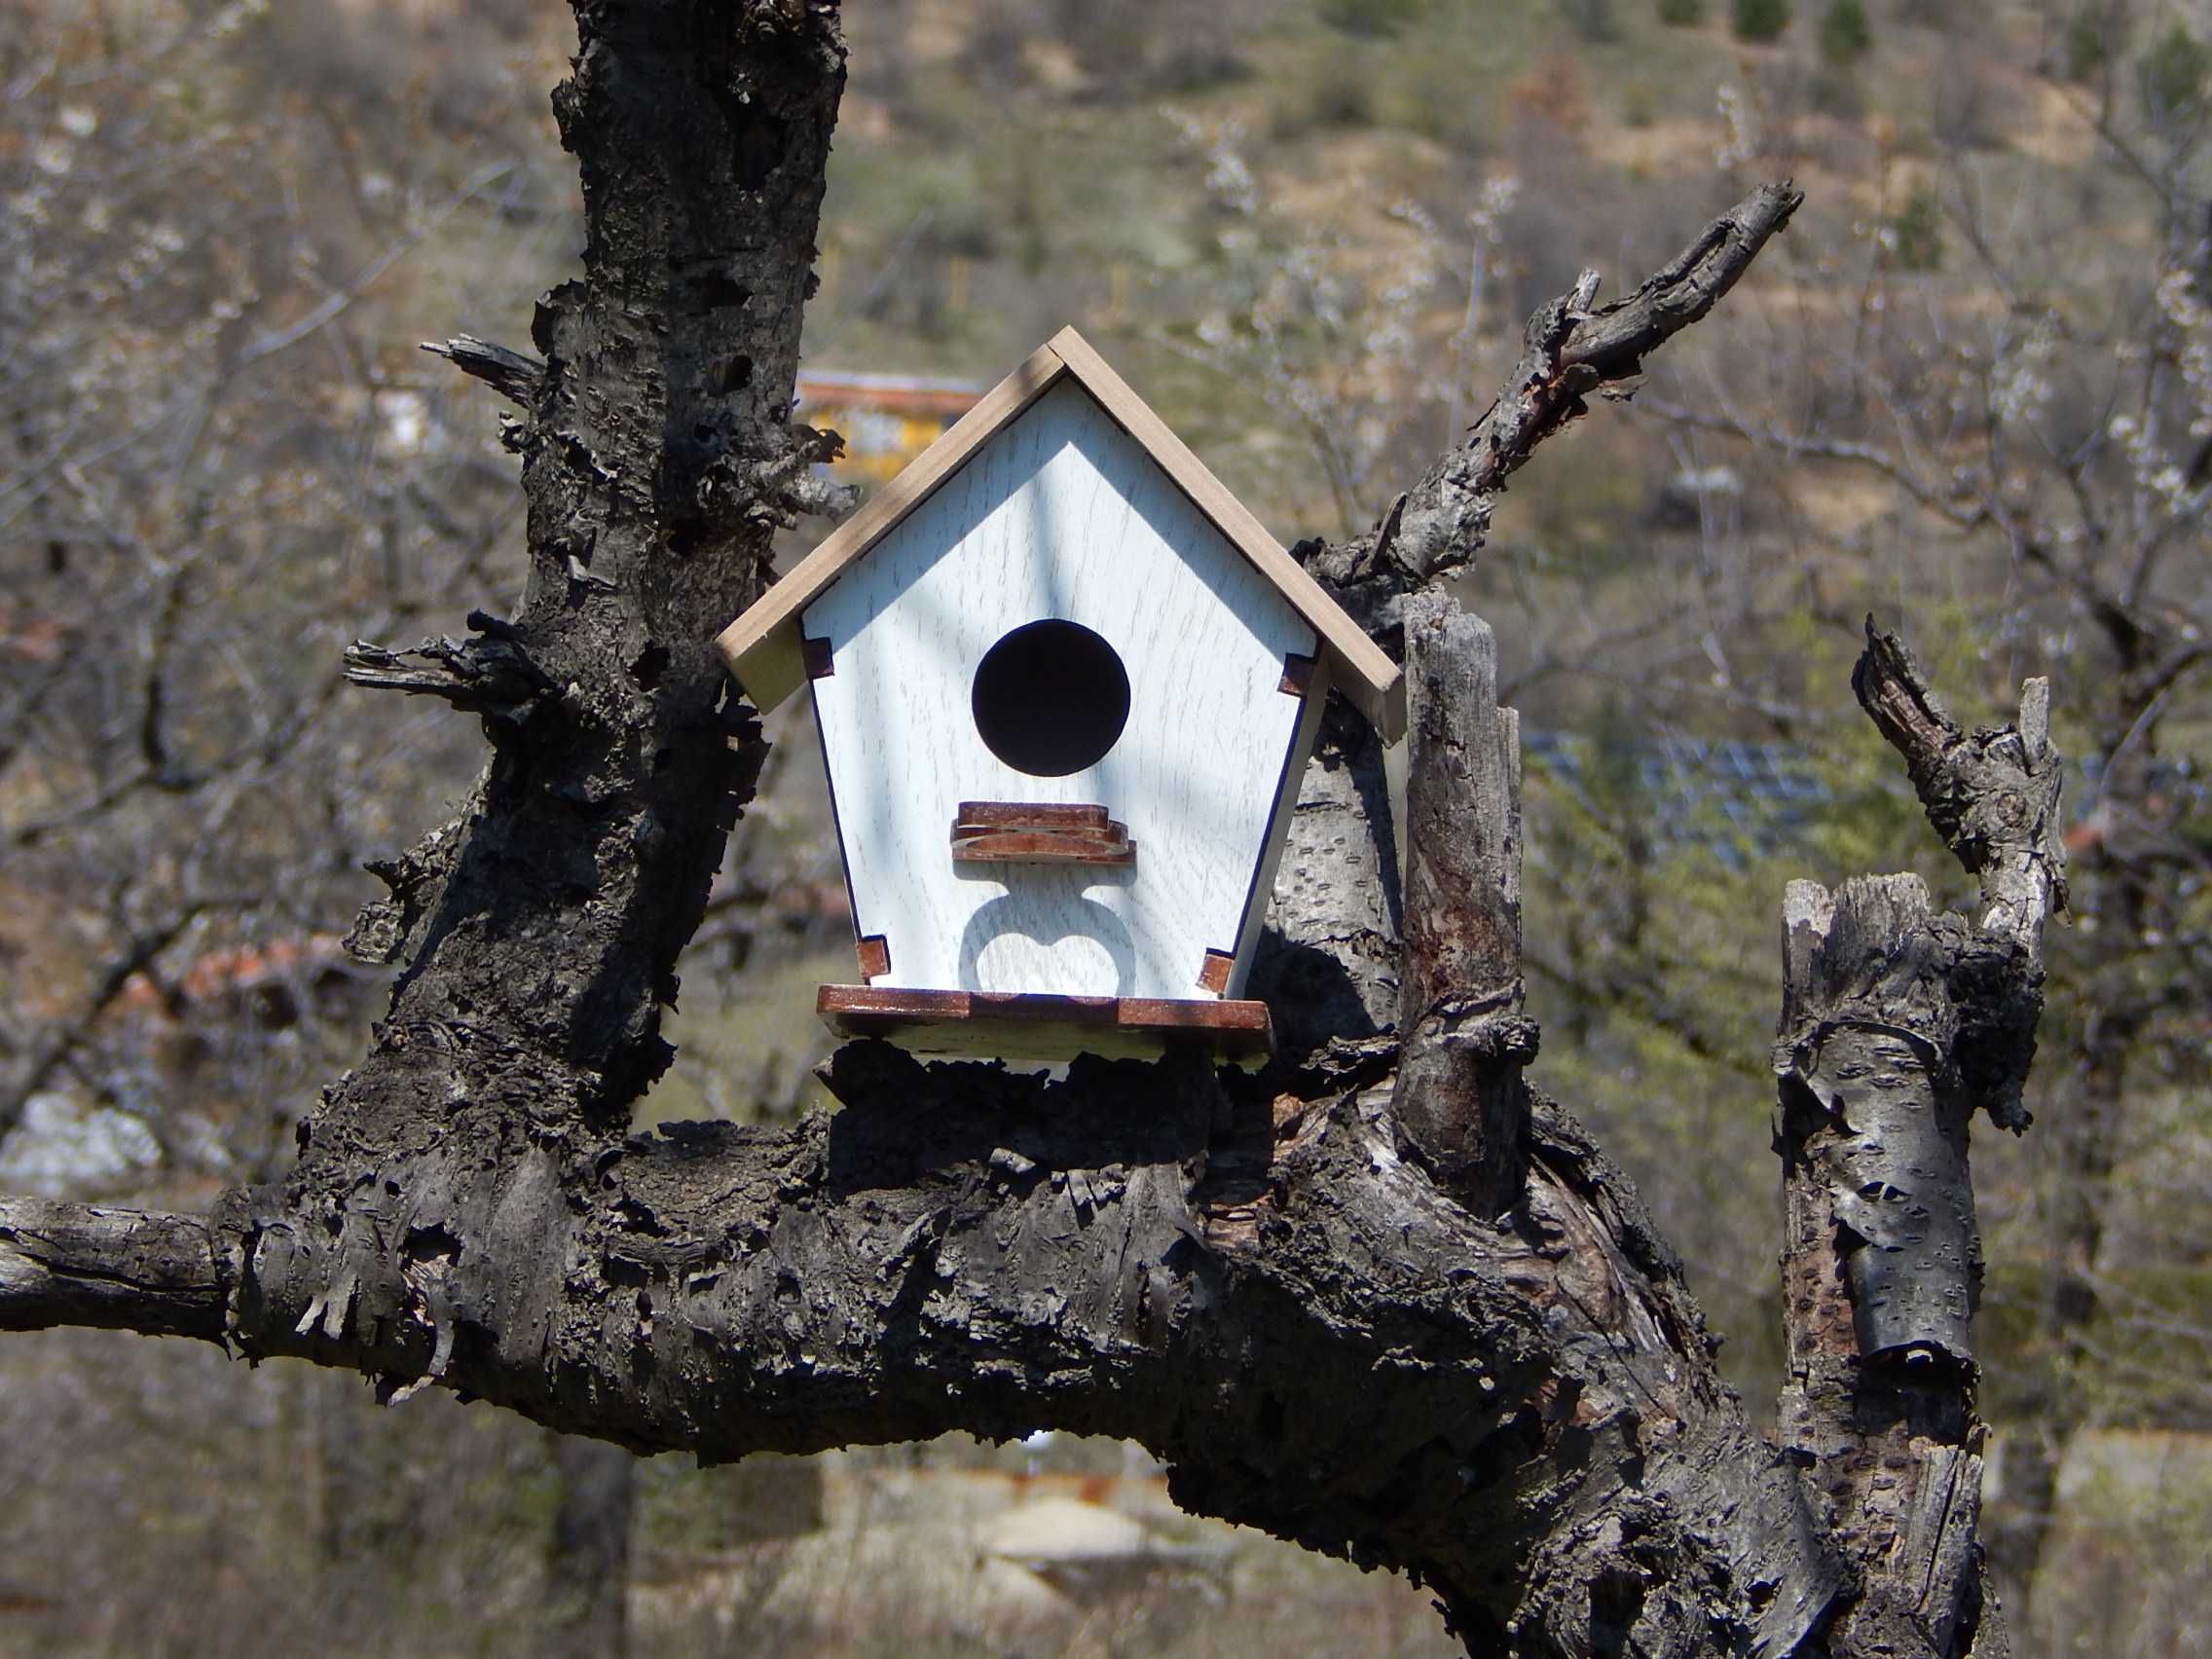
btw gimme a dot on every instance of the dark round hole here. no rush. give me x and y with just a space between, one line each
1051 698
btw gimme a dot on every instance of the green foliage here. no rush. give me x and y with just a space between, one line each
1682 14
1592 19
2085 53
2172 74
1370 20
1846 35
1760 19
1916 232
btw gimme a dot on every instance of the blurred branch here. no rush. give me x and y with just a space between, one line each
336 303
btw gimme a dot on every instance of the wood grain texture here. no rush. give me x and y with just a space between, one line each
1030 815
1060 515
763 647
1042 847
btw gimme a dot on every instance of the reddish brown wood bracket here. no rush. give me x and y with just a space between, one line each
875 956
1009 831
816 655
1297 674
1214 974
1017 1022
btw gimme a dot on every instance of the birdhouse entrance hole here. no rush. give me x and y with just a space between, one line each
1051 698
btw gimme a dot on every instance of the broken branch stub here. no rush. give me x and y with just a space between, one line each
1459 1100
1897 1023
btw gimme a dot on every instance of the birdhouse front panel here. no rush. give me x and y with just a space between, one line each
1059 709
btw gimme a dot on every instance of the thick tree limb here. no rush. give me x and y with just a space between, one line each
1513 1413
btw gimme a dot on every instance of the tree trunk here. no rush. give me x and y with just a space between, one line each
1430 1327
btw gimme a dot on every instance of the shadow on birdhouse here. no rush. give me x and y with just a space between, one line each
1066 685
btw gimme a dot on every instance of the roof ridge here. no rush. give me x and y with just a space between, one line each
764 649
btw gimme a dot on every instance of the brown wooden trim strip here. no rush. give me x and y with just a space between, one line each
1047 846
816 655
882 1007
875 956
1029 815
1178 1014
1214 975
1297 674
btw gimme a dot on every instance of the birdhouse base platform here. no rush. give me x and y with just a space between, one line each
1027 1026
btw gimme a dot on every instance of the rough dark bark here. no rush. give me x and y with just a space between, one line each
1478 1363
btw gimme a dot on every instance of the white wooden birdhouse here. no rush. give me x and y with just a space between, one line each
1066 685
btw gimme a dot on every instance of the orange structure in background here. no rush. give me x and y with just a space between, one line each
886 420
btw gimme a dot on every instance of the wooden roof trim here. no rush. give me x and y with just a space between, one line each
763 647
1365 672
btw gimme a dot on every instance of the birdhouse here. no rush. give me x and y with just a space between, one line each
1065 685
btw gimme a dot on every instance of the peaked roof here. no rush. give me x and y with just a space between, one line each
764 649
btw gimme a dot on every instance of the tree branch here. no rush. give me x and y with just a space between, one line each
112 1269
1329 961
1570 351
513 375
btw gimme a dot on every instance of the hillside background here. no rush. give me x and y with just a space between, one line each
1970 389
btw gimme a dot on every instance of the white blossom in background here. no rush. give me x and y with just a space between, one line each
2020 386
2156 474
2192 323
1336 345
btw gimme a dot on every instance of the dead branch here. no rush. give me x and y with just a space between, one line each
1570 352
513 375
